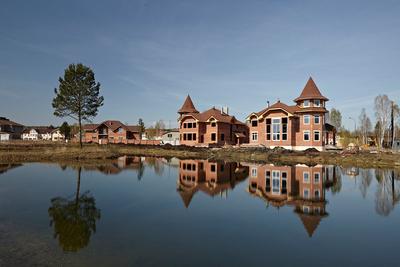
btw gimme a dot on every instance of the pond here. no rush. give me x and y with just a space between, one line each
169 212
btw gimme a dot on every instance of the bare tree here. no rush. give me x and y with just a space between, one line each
365 126
382 113
335 118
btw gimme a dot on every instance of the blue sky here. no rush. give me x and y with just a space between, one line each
148 55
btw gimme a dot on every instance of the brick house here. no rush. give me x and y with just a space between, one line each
210 177
300 186
211 127
295 127
111 131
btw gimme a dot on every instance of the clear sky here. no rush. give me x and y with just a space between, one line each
148 55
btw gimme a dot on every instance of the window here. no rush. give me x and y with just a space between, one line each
316 119
306 135
316 136
306 193
184 137
254 123
189 137
268 129
267 181
275 182
120 130
184 125
222 137
284 128
222 167
213 137
306 209
194 125
284 182
254 136
189 125
276 129
306 177
213 124
254 172
194 137
212 168
306 119
316 193
306 103
184 166
317 103
316 177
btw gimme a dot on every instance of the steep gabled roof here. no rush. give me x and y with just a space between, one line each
216 114
113 125
5 121
311 91
188 106
277 106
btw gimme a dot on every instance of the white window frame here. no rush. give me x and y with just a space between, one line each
304 180
309 136
319 119
315 103
276 176
319 136
304 103
319 178
304 119
308 193
253 172
272 128
319 193
252 136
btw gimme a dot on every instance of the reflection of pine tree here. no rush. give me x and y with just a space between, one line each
388 192
140 171
366 179
74 220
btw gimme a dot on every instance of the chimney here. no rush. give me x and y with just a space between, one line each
227 110
267 104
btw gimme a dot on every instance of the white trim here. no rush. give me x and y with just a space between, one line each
309 103
254 172
309 135
319 177
304 181
319 135
251 136
319 119
304 119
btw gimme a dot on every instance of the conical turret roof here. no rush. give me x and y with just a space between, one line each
188 106
311 91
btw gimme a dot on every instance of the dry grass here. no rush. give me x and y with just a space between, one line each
20 152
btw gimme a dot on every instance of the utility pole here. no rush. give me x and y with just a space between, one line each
392 125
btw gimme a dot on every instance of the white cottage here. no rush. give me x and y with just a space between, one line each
171 137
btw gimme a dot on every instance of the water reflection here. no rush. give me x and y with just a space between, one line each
6 167
210 177
74 219
299 186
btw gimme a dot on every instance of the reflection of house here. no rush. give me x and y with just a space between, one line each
117 166
211 127
111 132
10 130
297 127
210 177
300 186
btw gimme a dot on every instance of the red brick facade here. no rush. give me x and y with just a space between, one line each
111 132
212 127
296 127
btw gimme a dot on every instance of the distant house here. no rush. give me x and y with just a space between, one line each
171 137
35 133
396 145
111 131
10 130
211 127
56 135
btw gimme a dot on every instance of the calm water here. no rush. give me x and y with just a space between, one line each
157 212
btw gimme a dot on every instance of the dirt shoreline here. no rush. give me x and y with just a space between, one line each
11 153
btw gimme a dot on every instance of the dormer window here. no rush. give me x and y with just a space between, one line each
254 123
213 124
306 103
317 103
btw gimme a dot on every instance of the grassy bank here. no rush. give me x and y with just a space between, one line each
21 152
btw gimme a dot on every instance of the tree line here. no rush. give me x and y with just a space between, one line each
384 132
